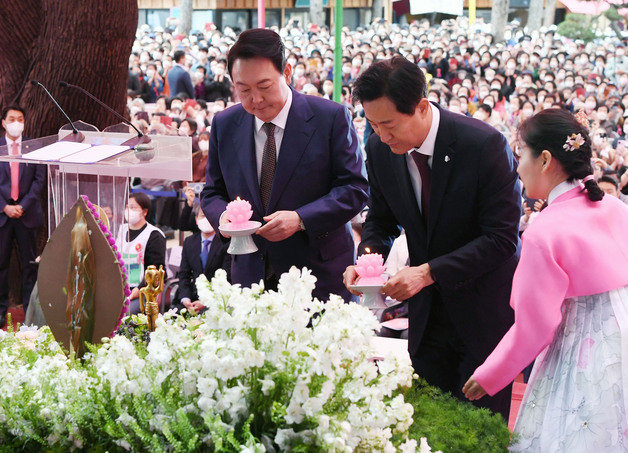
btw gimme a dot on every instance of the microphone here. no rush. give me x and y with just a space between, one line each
133 142
75 136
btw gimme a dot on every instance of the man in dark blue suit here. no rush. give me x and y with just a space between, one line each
450 182
179 79
203 253
296 159
20 209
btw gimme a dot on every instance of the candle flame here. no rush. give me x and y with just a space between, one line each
367 250
238 198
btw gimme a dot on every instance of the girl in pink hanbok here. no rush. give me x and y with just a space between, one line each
570 296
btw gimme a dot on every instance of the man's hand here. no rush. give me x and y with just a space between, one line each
472 390
13 211
408 282
280 225
349 277
224 221
527 212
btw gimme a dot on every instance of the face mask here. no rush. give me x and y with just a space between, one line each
204 225
328 89
150 73
204 145
346 70
510 66
553 64
157 56
590 105
299 72
292 62
184 131
526 112
132 217
200 76
602 116
15 128
494 65
597 141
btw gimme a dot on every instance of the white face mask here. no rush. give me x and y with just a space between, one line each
219 71
150 73
133 217
184 131
299 72
204 225
15 128
204 145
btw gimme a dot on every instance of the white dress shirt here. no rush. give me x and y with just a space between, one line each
427 147
260 134
10 144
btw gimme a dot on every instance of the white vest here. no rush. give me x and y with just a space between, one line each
133 252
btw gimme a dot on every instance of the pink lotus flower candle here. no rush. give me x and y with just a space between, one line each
370 268
239 213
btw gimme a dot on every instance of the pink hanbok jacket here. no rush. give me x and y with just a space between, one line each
575 247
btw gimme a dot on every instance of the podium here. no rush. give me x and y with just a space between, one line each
106 182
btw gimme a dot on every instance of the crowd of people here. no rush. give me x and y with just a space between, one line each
178 83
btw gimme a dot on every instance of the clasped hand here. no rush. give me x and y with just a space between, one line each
14 211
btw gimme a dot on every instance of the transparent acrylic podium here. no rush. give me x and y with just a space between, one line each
106 183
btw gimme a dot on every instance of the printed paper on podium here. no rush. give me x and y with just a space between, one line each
94 154
56 151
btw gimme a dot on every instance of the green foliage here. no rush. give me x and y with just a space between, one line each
577 26
454 426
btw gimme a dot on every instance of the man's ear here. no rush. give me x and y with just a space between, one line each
287 73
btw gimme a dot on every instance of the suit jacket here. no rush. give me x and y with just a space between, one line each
32 181
471 239
320 174
179 81
192 267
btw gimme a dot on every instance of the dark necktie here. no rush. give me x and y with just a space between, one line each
269 161
205 252
424 170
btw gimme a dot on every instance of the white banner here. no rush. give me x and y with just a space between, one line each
453 7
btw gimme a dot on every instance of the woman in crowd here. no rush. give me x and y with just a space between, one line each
570 296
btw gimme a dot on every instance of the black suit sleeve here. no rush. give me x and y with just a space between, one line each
380 227
186 275
499 210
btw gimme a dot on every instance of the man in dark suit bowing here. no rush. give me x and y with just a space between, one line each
20 209
296 159
202 253
450 182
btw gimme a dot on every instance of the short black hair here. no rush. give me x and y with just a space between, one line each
17 108
487 108
258 42
397 79
610 180
143 200
178 55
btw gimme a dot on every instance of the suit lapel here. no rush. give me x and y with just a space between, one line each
244 144
402 176
442 163
296 137
196 253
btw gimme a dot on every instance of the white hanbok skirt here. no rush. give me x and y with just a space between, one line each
577 395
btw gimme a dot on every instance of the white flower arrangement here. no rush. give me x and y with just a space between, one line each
258 371
573 142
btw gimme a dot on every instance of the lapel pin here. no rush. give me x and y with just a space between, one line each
447 159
